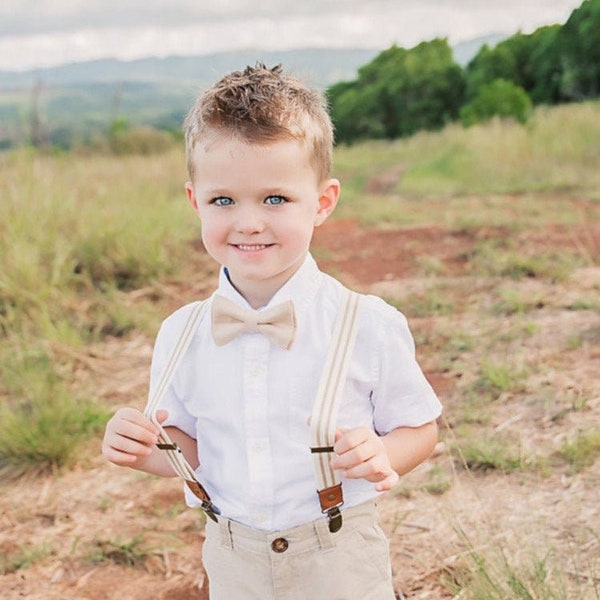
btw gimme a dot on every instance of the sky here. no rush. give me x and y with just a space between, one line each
44 33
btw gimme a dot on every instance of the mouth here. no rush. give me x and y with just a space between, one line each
251 247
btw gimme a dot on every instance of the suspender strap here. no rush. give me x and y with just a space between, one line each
324 416
173 453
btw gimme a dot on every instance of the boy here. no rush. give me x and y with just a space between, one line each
259 146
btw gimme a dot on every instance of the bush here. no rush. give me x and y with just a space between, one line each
138 139
499 98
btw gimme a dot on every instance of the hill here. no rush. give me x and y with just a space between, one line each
73 102
322 66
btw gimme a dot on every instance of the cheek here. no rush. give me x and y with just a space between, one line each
212 232
298 236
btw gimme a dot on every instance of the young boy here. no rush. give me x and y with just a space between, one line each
259 146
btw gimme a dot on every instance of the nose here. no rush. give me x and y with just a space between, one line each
249 219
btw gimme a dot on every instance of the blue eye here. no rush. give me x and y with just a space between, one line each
222 201
275 200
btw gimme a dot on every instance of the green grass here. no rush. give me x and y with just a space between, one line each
131 553
76 234
23 558
88 243
44 424
490 452
497 570
556 151
582 451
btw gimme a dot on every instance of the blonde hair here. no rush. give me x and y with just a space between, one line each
261 105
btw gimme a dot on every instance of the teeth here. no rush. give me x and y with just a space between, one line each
249 247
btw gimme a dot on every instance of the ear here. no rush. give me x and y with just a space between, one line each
329 194
191 196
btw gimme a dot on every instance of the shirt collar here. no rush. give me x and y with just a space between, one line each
300 288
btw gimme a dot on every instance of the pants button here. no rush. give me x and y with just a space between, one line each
279 545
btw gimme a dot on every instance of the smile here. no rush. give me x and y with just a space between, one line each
251 247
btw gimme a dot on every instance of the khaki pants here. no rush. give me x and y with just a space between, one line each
303 563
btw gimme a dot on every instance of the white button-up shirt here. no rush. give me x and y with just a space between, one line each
248 403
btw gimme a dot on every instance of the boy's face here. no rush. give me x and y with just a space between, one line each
259 205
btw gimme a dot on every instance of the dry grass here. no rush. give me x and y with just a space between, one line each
501 292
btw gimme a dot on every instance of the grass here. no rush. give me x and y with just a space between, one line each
490 452
557 150
44 422
131 553
88 242
489 571
23 558
499 259
582 451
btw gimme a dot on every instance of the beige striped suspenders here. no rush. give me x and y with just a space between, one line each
329 488
323 420
165 443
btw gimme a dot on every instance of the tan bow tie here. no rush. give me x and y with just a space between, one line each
229 320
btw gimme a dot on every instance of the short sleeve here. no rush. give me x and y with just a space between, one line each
403 396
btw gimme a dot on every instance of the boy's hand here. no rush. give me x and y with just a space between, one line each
361 454
130 436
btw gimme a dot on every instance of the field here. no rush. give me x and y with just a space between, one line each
488 239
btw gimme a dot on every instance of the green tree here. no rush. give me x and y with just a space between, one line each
356 112
579 46
490 64
545 66
399 92
498 98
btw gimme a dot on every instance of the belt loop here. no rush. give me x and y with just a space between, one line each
225 531
326 541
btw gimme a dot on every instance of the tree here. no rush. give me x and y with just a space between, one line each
578 43
356 112
399 92
545 66
498 98
490 64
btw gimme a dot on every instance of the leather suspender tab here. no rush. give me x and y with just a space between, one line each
207 506
330 497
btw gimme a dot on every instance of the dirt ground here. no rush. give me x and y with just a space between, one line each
100 532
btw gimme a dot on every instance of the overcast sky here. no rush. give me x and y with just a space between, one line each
37 33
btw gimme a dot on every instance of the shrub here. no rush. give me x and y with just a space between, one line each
499 98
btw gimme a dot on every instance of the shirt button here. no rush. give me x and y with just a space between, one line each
259 447
279 545
260 518
256 371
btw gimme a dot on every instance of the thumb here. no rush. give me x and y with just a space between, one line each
339 434
162 415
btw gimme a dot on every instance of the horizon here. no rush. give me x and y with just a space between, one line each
62 32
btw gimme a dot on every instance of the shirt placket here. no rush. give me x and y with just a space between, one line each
258 445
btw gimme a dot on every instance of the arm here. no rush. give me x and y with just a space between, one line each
362 454
130 438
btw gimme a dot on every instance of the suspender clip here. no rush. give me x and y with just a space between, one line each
331 499
335 519
206 503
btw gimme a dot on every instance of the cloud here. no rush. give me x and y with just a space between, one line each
44 33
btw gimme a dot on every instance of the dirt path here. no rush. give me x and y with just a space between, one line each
103 532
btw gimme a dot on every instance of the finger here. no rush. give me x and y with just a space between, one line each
136 445
339 433
117 457
347 439
374 470
363 452
161 415
134 416
388 483
143 432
